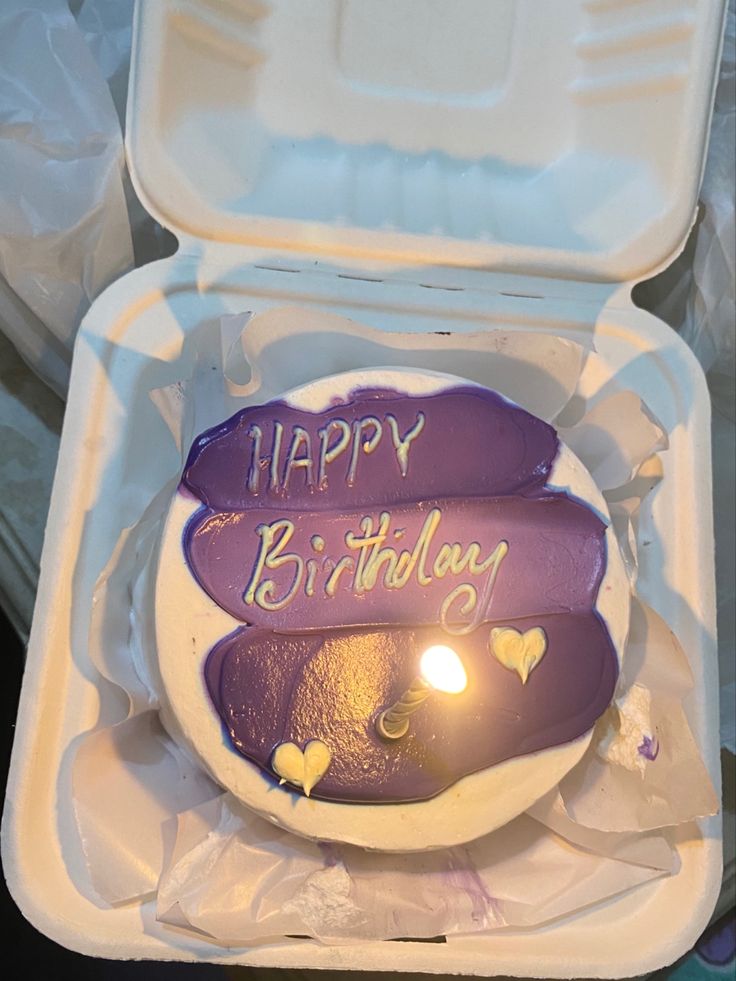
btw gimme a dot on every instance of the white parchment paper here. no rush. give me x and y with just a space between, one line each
239 879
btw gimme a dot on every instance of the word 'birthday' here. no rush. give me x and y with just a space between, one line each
370 562
274 465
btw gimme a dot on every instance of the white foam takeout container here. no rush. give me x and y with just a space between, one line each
416 166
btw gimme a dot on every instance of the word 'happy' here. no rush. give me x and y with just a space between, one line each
338 438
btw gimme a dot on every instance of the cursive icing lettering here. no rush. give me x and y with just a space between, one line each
371 563
256 463
299 440
328 453
345 564
469 560
399 566
367 444
336 438
469 595
260 463
271 556
402 443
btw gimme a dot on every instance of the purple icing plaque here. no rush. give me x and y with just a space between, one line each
347 541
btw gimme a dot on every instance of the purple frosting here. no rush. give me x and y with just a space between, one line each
222 550
449 458
348 541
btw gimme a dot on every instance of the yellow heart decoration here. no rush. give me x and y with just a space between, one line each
518 652
303 769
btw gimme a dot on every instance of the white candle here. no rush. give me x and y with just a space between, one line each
440 670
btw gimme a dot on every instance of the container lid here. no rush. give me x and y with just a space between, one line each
559 138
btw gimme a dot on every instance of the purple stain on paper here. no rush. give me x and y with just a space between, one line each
464 875
330 854
649 748
349 540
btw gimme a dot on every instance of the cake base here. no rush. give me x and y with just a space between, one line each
189 624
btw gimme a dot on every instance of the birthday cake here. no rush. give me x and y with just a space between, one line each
389 609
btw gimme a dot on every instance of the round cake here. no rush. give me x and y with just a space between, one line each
389 609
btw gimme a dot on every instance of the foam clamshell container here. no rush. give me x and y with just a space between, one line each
417 166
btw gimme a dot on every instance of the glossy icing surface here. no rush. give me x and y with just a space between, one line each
349 540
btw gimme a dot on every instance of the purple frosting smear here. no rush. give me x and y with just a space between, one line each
474 444
271 688
558 537
349 540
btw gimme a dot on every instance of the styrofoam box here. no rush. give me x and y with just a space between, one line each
417 166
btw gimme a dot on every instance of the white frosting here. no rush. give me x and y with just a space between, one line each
628 727
189 624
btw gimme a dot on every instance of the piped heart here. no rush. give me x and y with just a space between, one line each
303 769
518 652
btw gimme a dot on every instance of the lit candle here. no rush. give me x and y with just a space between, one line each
440 670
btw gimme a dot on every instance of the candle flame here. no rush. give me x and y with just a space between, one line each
442 669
